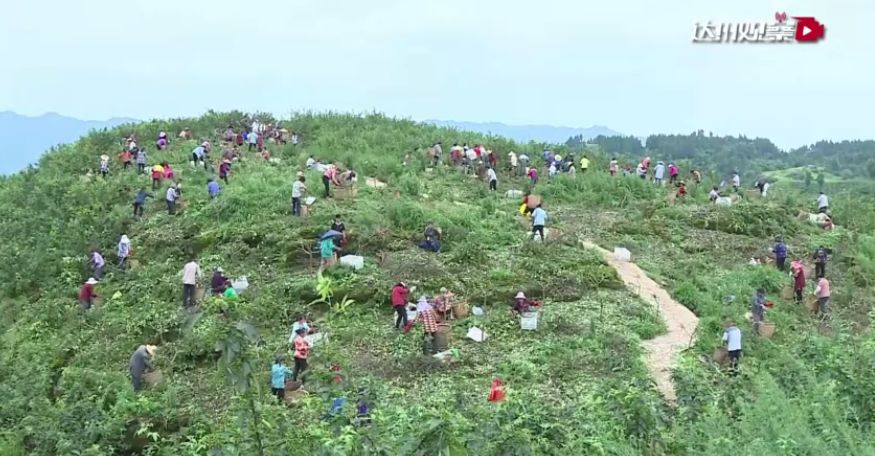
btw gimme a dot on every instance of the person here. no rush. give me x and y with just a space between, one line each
432 235
399 304
224 170
171 197
132 143
682 190
822 294
613 168
239 139
97 263
168 171
104 165
140 363
641 171
126 157
298 191
551 171
124 251
219 283
213 188
798 280
820 257
526 209
766 189
780 251
443 304
520 303
760 185
87 294
302 351
157 175
438 152
302 322
822 203
736 181
141 160
732 340
659 173
492 178
252 139
140 200
197 154
714 194
539 219
185 134
673 173
278 374
327 249
697 176
329 177
161 143
295 138
338 226
524 164
532 174
584 164
513 162
758 308
191 272
426 315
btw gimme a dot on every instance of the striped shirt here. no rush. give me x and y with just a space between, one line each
429 320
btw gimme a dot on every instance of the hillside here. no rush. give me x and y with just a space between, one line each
580 384
25 138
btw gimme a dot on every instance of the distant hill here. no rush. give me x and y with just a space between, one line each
526 133
23 139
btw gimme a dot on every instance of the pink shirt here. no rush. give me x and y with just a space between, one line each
823 288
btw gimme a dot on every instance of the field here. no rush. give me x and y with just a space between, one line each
577 385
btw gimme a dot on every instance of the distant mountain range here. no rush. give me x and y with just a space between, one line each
526 133
23 139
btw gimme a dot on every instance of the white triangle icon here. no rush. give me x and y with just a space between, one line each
805 30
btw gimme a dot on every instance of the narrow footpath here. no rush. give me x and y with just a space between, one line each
662 351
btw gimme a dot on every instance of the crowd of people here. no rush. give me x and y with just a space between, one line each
431 313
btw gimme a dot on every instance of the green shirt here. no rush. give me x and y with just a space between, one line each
327 248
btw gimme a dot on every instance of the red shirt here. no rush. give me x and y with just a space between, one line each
399 296
302 347
125 156
86 292
800 279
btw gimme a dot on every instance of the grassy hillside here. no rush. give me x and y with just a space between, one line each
576 386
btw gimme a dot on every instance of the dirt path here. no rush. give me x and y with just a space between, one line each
680 321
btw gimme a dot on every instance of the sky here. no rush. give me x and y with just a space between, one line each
628 65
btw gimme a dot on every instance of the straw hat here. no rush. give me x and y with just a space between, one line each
219 269
91 281
520 295
151 349
104 157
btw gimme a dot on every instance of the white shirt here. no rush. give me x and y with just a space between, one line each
552 170
190 272
732 338
171 194
714 194
513 160
297 189
765 188
491 174
252 137
310 162
736 181
659 172
132 145
822 201
471 154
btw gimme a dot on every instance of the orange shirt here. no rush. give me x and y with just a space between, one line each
126 156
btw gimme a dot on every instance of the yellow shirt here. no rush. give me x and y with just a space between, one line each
584 163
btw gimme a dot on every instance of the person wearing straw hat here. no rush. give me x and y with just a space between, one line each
104 165
521 303
124 251
224 170
141 362
87 294
219 282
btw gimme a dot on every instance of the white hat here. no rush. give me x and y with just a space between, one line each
150 349
91 280
125 239
205 144
558 157
520 295
219 269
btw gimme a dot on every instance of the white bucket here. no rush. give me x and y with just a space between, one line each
476 334
622 254
353 261
529 321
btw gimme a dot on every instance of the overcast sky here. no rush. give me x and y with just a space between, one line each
629 65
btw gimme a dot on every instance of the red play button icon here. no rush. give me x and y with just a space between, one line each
809 30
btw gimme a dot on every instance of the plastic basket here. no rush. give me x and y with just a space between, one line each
529 321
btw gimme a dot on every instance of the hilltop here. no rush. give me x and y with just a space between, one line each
580 384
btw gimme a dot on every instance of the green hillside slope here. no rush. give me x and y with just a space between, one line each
577 385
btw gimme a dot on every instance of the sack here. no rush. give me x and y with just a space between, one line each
721 355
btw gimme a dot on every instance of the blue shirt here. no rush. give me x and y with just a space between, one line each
732 338
213 188
141 197
252 137
278 375
199 151
539 217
